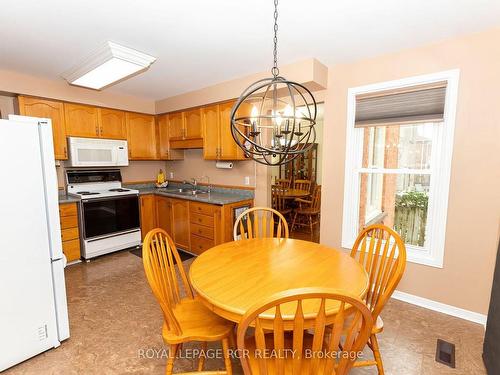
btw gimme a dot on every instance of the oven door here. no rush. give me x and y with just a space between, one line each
110 216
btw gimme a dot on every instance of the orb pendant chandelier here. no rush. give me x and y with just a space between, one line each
273 120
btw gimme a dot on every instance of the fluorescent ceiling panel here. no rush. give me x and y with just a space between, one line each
110 64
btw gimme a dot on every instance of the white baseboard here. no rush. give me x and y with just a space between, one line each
440 307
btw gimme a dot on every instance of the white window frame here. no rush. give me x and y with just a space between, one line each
432 254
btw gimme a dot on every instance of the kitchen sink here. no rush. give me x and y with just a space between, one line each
184 191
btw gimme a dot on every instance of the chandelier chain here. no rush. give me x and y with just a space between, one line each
275 71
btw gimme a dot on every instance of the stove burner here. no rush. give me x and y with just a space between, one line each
87 193
119 190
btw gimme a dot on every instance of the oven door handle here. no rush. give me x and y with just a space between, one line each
110 198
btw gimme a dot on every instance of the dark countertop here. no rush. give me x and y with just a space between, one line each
217 197
65 198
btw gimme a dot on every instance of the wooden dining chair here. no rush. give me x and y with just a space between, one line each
283 183
260 222
185 317
308 212
279 202
382 253
302 185
350 330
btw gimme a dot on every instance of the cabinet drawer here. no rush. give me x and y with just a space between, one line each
69 222
202 231
71 249
208 221
202 208
200 244
68 209
69 234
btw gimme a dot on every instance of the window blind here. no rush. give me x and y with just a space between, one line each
415 104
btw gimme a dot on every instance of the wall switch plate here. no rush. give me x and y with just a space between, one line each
171 175
247 180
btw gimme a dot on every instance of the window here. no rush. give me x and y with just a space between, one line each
398 161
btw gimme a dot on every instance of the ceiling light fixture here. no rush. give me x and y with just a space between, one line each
280 125
108 65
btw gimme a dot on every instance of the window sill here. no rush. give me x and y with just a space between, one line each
414 254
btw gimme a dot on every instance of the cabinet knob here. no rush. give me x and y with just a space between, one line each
96 130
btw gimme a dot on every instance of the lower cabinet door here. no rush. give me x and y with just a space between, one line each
71 249
148 214
164 214
180 223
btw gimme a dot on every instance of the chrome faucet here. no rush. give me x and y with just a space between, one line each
193 182
208 183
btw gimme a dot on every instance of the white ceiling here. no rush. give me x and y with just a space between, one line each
200 42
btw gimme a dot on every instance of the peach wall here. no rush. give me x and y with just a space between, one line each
310 73
474 201
19 83
193 166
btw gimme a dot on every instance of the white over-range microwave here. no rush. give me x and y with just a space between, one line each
93 152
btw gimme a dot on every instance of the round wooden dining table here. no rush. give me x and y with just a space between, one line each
290 193
232 277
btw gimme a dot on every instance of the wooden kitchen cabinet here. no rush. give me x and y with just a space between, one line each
53 110
88 121
193 226
164 151
180 223
164 214
185 129
70 234
211 137
81 120
193 128
141 135
148 214
176 126
172 215
205 226
218 141
112 124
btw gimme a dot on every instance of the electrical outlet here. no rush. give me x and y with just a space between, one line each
247 180
171 174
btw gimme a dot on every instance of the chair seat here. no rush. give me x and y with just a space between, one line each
378 326
197 323
271 363
285 211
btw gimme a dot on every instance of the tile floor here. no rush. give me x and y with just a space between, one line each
115 320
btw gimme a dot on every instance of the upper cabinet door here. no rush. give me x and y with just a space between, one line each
112 124
165 153
141 136
193 124
210 123
229 148
48 109
81 120
176 126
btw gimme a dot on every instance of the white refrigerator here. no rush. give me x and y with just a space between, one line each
33 307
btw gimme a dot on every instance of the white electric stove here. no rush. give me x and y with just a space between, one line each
109 213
